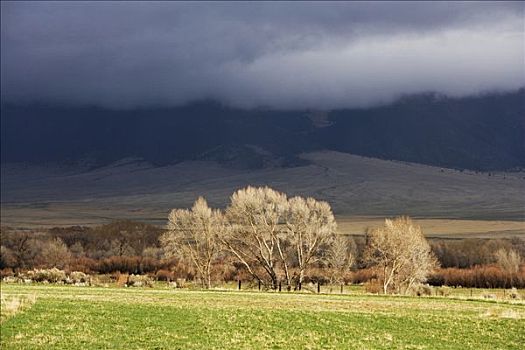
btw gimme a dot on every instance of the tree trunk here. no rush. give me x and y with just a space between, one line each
285 265
301 275
275 282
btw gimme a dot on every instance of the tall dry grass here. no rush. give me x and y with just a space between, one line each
13 304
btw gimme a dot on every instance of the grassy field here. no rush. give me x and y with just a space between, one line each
60 317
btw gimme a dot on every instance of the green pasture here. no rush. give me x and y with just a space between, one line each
69 317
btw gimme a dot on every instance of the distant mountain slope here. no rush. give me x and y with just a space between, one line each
40 134
353 185
482 133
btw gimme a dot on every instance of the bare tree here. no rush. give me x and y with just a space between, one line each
341 257
55 253
508 259
23 246
310 225
195 234
255 216
400 253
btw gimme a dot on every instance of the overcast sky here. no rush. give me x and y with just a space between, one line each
281 55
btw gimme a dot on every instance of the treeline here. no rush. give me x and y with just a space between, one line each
124 246
470 252
135 241
266 237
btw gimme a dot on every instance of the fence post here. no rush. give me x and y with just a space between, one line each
318 287
239 284
300 285
259 284
279 286
341 288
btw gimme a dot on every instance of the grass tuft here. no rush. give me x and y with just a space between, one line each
13 304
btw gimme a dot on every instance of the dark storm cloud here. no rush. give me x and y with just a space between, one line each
285 55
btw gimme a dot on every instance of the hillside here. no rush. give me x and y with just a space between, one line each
483 133
480 133
355 186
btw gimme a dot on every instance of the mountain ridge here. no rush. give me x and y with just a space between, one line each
485 132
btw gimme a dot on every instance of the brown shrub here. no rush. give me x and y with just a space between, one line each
363 275
124 264
422 289
83 264
373 286
122 279
317 275
486 276
7 272
164 275
149 265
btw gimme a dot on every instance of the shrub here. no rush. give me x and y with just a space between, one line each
164 275
53 275
181 282
374 286
139 281
422 289
124 264
78 277
121 279
487 276
149 265
101 280
7 272
514 294
317 275
363 275
443 291
83 264
436 279
225 270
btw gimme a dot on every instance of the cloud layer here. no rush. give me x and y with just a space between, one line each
281 55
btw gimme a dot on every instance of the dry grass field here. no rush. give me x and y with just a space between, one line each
442 228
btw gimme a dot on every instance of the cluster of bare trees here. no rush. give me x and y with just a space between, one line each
277 239
274 237
470 252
